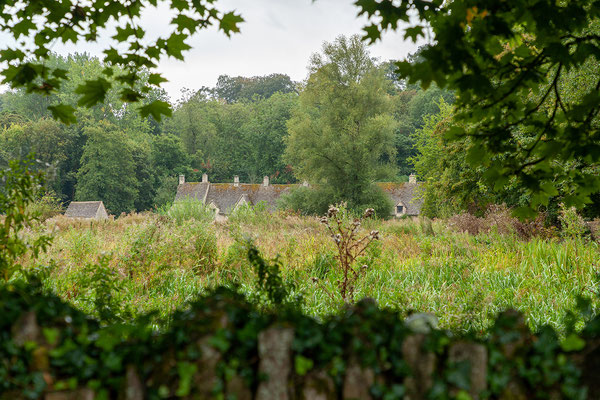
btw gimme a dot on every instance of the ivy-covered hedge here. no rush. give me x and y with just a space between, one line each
221 346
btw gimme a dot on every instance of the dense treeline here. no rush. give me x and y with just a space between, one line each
239 127
350 123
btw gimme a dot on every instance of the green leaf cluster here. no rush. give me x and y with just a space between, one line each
526 83
42 24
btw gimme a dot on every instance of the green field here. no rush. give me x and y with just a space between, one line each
152 262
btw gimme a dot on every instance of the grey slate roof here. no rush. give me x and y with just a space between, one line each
192 190
225 196
83 209
405 193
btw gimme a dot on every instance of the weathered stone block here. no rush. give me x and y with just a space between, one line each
318 385
236 388
206 378
476 355
518 325
76 394
422 365
274 350
26 329
514 391
357 382
134 389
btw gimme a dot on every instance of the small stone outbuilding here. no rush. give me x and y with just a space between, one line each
86 210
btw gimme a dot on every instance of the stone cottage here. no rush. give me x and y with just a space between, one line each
86 210
224 198
405 196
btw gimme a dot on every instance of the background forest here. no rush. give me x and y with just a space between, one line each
238 127
351 123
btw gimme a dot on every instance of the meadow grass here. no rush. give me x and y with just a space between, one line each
161 262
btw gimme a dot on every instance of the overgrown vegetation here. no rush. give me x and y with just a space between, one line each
416 266
351 244
19 187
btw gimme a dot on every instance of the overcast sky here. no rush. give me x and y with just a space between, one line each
278 36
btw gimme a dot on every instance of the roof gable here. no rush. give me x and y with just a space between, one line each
192 190
84 209
406 194
228 196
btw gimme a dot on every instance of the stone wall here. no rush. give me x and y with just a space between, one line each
222 348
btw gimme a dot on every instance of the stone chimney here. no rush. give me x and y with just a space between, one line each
266 181
412 178
181 179
204 178
236 181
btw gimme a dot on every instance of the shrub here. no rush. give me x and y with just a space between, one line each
351 245
316 201
17 193
305 200
105 289
165 193
250 214
499 219
45 207
188 209
466 222
572 225
271 290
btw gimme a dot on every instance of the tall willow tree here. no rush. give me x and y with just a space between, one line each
341 135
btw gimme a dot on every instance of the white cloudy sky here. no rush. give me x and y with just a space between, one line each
278 37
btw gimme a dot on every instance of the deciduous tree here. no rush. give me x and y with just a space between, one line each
107 170
507 62
342 133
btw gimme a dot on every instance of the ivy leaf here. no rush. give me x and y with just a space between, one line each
573 343
64 113
229 23
92 92
302 365
185 371
157 109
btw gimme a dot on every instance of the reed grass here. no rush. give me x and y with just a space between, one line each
164 260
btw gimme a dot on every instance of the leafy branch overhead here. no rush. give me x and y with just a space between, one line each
37 26
527 82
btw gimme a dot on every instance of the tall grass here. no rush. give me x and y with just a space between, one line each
186 210
163 260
